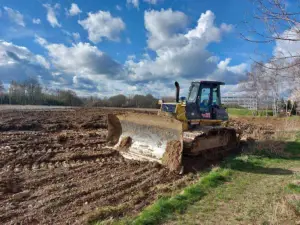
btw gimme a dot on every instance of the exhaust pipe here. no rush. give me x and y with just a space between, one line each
177 91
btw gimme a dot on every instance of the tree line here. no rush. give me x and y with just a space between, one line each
31 92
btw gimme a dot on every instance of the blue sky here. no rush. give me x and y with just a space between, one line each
125 47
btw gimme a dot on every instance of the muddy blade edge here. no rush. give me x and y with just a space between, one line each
147 137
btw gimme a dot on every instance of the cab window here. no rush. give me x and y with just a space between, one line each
193 93
204 99
216 96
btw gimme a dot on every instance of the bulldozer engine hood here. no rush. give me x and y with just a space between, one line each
169 107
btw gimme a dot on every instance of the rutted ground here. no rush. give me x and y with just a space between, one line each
55 169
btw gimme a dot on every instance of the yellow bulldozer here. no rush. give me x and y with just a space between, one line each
192 126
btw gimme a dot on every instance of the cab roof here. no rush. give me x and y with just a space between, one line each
209 82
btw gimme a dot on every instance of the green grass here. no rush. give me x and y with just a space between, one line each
294 198
165 207
247 112
293 147
239 112
254 195
294 188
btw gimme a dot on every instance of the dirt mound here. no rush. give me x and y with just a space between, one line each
173 155
252 131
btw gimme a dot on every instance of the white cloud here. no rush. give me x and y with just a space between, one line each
15 16
36 21
52 14
153 2
226 27
102 25
76 36
182 54
135 3
128 41
18 63
11 53
40 40
74 10
164 25
285 48
81 58
41 60
206 30
118 7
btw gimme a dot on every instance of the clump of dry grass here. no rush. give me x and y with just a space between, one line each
106 212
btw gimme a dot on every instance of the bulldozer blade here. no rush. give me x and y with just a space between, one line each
147 137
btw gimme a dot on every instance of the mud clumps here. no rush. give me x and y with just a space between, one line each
172 157
252 131
96 122
62 138
125 143
10 183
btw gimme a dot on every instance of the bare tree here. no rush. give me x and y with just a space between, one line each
254 83
280 23
2 90
33 90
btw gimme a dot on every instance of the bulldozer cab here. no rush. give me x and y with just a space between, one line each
204 101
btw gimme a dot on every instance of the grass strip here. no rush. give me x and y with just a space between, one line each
166 206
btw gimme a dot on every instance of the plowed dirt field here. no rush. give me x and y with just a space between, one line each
55 169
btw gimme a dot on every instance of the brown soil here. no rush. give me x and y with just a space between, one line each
125 143
173 155
55 169
266 133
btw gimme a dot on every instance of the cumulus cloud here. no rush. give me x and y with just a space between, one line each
81 58
163 25
206 30
17 62
182 54
102 25
84 83
285 48
15 16
36 21
52 14
74 10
